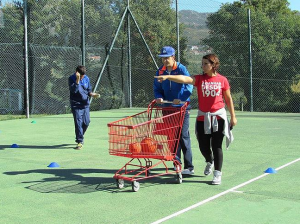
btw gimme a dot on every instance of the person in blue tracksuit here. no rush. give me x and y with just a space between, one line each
80 91
176 92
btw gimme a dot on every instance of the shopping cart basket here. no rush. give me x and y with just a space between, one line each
149 135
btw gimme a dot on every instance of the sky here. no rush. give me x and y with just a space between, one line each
214 5
294 5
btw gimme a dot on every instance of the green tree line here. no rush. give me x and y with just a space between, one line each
275 51
54 37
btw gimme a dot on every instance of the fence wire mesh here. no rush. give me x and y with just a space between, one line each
266 80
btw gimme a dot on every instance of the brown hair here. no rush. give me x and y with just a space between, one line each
214 60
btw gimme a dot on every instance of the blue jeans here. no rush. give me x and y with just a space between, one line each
185 143
81 120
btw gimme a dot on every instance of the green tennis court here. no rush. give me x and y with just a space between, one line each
82 190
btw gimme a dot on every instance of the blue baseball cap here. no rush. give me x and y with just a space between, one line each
166 51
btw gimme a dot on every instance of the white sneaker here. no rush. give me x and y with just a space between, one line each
217 177
187 172
208 168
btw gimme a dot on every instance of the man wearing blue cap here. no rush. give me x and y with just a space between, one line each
176 92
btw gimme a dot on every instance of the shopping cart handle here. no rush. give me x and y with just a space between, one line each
166 101
185 104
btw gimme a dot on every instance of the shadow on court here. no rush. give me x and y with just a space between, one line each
61 146
75 181
69 180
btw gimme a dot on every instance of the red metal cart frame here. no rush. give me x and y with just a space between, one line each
149 135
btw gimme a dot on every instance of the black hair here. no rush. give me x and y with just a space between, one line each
81 69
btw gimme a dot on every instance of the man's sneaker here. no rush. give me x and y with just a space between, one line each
187 172
79 146
217 177
208 168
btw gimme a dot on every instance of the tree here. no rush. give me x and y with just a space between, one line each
54 35
157 21
274 40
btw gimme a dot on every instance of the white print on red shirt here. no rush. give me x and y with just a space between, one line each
211 89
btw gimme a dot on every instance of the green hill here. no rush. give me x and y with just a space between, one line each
195 27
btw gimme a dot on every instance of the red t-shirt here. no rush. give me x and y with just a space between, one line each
210 92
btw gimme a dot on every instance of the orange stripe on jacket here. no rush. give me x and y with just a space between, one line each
164 68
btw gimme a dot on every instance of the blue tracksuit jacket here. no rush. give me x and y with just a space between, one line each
79 93
169 90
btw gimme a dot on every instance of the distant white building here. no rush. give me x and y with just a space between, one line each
195 50
94 57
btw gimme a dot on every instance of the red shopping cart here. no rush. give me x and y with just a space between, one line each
144 137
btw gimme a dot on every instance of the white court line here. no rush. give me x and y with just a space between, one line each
220 194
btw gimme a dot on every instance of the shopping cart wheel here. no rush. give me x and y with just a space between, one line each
135 186
179 178
120 183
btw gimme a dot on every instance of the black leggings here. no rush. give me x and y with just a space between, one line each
211 144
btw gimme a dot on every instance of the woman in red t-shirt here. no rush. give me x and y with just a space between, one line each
212 124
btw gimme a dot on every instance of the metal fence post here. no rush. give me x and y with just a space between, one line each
82 33
26 59
129 58
109 51
177 29
250 60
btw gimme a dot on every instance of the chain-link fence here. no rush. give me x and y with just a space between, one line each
119 42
